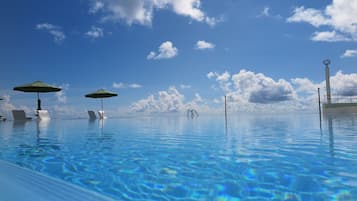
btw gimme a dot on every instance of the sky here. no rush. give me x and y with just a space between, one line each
168 56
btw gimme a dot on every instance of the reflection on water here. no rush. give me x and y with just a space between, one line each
171 158
344 123
18 126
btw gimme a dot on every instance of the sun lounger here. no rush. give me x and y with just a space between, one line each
20 115
101 114
2 118
43 115
92 115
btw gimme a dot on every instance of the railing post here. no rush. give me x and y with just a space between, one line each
318 92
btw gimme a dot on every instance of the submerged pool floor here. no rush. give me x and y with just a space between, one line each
19 184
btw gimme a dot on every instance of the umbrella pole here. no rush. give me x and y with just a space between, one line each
38 101
102 103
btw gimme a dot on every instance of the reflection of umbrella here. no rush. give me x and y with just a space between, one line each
101 93
38 87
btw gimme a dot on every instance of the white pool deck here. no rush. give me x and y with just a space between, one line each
20 184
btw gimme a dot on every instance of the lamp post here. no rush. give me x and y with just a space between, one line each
327 62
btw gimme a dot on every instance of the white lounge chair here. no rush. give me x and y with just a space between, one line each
43 115
101 114
92 115
20 115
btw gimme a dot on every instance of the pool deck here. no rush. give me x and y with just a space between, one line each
20 184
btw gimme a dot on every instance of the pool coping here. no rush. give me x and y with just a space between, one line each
20 184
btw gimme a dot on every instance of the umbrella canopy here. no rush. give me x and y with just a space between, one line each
37 87
1 99
101 93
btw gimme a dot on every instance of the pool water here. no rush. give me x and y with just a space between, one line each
256 157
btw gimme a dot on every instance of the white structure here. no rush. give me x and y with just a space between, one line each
330 107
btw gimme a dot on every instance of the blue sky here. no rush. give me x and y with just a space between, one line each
169 55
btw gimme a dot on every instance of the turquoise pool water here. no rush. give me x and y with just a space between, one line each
265 157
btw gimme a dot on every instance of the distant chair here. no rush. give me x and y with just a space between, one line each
101 114
43 115
20 115
92 115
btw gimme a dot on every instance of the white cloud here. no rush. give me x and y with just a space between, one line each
135 86
61 95
217 101
258 88
142 11
55 31
96 6
309 15
349 53
95 32
304 85
5 104
340 16
254 92
166 101
166 51
210 75
170 101
184 86
265 12
121 85
344 84
329 36
222 79
203 45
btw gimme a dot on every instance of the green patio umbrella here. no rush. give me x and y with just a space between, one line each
101 93
37 87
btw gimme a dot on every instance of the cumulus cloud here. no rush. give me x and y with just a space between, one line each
222 79
121 85
55 31
340 16
95 32
329 36
5 104
61 95
204 45
250 91
210 75
344 84
169 101
305 85
258 88
166 51
349 53
142 11
96 6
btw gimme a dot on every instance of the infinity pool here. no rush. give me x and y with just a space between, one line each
265 157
